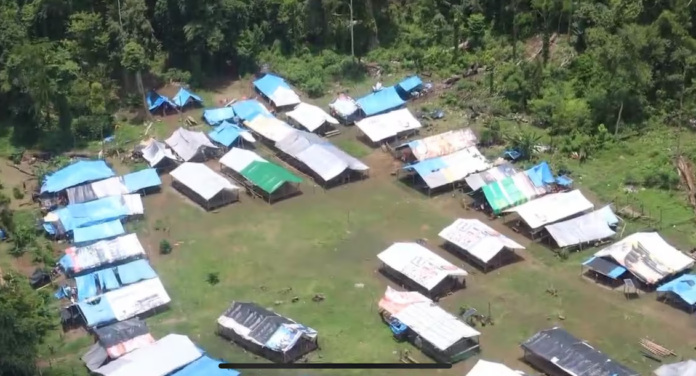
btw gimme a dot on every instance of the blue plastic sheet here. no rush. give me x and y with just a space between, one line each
225 133
269 83
410 84
684 287
381 101
205 366
91 213
249 109
142 179
155 101
428 166
540 175
135 271
183 96
97 312
99 282
77 173
98 232
215 116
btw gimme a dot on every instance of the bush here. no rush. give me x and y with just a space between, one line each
213 278
17 193
165 247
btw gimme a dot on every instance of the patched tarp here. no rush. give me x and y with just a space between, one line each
92 191
270 127
586 228
205 366
97 232
573 356
442 144
91 213
410 84
103 253
184 96
344 106
381 101
143 179
497 173
311 117
381 127
77 173
477 238
440 171
189 144
419 264
123 337
249 109
156 152
553 208
511 191
215 116
227 133
262 173
605 267
102 281
277 90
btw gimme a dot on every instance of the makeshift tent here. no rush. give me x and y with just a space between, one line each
98 232
156 153
410 84
478 240
276 90
584 229
682 290
120 338
189 145
511 191
104 280
215 116
486 368
494 174
274 181
249 109
124 303
205 366
540 175
311 117
184 97
204 186
157 102
552 208
441 171
420 268
647 256
142 180
161 358
227 133
345 109
116 186
95 357
685 368
77 173
94 212
266 333
320 156
604 267
440 145
439 334
383 127
269 128
555 351
381 101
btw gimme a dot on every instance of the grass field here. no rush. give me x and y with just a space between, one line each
327 242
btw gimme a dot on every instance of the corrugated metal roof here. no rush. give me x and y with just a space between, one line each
419 264
477 238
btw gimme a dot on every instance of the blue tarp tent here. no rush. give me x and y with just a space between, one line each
98 232
381 101
93 284
684 287
155 101
410 84
91 213
215 116
184 96
540 175
142 179
225 133
248 109
135 271
269 83
75 174
97 312
205 366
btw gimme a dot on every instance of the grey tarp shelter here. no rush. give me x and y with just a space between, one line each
95 357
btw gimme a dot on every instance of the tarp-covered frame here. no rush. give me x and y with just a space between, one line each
442 289
506 256
287 190
223 198
679 292
346 177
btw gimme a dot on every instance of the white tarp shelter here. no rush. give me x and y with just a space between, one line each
452 168
188 144
486 368
381 127
99 189
202 180
238 159
104 252
419 264
647 256
134 203
161 358
319 155
442 144
685 368
284 97
477 238
552 208
156 152
311 117
586 228
132 300
270 127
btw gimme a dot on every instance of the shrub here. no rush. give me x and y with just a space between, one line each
17 193
165 247
213 278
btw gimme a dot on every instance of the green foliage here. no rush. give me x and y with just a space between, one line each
165 247
17 193
213 278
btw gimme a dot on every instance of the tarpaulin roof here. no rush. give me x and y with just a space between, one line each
124 303
260 172
103 253
264 327
161 358
155 152
249 109
440 171
97 232
155 100
540 175
497 173
116 333
319 155
573 356
277 90
511 191
142 179
429 320
77 173
589 227
419 264
99 189
215 116
486 368
270 127
605 267
344 105
381 101
227 133
552 208
135 271
201 179
95 357
205 366
477 238
395 301
410 83
647 256
101 281
188 143
311 117
685 368
684 287
382 127
183 96
442 144
94 212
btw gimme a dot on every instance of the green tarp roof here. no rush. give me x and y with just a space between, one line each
505 194
268 176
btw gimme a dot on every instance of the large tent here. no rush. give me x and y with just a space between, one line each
450 169
552 208
511 191
383 127
681 290
276 90
273 181
91 213
269 127
157 102
120 338
102 281
381 101
204 186
493 174
410 84
184 97
215 116
189 145
80 259
584 229
439 145
248 109
227 134
311 117
77 173
156 153
101 231
116 186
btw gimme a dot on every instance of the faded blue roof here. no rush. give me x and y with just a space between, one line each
87 286
225 133
97 312
608 215
183 96
142 179
155 100
205 366
410 83
135 271
249 109
381 101
215 116
269 83
606 267
98 232
540 174
77 173
91 213
684 287
428 166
